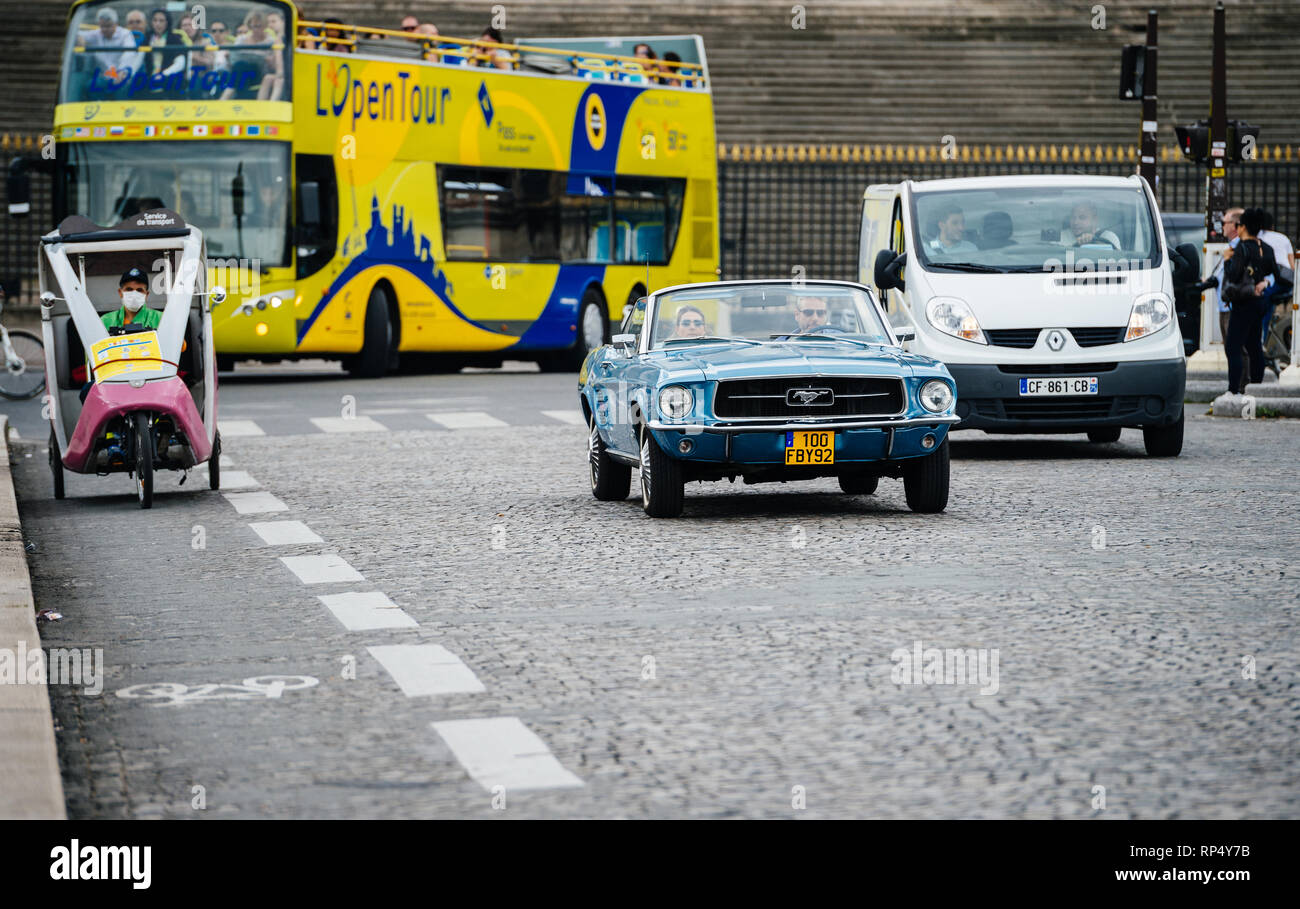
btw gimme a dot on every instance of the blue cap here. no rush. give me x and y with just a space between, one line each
134 274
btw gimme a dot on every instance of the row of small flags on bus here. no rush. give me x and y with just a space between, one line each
199 129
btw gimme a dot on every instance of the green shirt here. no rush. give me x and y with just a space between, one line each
147 317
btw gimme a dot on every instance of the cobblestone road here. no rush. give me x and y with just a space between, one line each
733 663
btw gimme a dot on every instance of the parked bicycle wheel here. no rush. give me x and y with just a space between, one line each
22 375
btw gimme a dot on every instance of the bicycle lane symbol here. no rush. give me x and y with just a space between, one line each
175 694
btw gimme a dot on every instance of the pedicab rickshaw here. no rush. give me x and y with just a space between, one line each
129 399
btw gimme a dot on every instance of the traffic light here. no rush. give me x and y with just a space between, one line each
1132 71
1242 140
1194 141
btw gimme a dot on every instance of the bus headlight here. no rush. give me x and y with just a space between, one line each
954 317
1150 313
675 402
936 396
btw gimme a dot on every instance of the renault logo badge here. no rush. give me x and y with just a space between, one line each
1055 339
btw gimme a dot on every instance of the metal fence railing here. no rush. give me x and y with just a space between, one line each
793 207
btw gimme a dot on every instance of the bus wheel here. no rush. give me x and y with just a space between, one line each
377 343
593 331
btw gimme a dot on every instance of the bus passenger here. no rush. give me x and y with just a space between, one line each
498 57
334 37
111 35
264 64
135 22
193 37
166 56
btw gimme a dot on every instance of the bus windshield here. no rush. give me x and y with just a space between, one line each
1038 228
236 192
221 50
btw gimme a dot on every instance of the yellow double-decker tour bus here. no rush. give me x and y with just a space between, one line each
392 198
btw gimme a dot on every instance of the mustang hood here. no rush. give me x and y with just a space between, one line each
794 358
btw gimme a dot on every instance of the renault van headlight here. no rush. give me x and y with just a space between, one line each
1150 313
675 402
954 317
936 396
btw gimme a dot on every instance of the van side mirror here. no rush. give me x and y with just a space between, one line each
888 265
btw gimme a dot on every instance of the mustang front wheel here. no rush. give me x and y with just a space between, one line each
662 490
610 480
925 481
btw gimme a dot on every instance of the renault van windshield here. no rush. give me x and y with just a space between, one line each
1034 229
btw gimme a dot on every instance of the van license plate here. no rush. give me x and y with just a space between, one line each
1049 387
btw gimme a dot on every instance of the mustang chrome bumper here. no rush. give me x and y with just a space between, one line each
807 425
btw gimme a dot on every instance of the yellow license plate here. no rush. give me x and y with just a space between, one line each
810 447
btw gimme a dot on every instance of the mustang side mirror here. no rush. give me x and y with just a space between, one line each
888 265
905 334
624 343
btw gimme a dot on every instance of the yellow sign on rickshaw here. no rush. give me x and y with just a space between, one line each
120 354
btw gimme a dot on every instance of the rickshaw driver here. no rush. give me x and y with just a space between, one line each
133 289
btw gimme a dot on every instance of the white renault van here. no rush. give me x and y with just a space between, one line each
1049 298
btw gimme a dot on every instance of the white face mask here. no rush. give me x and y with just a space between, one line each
133 300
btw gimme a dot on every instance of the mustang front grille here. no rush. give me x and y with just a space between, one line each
809 396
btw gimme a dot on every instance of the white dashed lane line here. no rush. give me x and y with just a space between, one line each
237 479
348 424
366 611
254 502
421 670
502 751
321 569
467 419
572 417
231 428
284 533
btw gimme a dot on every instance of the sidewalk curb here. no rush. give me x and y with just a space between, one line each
30 784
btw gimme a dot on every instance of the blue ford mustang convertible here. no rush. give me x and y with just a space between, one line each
769 381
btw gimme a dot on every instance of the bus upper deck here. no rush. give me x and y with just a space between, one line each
237 50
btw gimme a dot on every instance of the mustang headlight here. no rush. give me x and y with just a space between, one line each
936 396
953 317
675 402
1150 313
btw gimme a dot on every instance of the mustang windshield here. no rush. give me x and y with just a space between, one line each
1040 228
755 312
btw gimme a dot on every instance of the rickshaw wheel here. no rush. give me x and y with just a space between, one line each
143 461
214 464
56 465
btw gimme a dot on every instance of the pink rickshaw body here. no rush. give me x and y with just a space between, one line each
110 400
